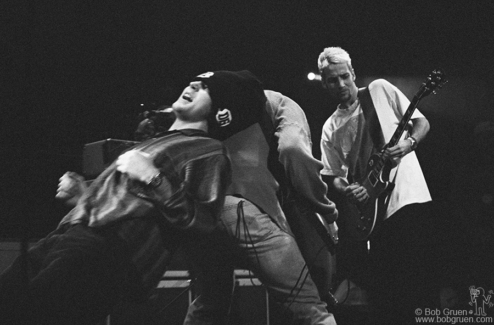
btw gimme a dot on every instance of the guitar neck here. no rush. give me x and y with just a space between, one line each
434 80
404 122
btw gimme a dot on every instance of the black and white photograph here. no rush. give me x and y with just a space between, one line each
247 162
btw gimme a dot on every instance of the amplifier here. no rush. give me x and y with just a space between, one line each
96 156
171 298
167 305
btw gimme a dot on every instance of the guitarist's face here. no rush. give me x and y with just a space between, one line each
339 79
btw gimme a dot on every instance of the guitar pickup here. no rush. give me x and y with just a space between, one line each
373 179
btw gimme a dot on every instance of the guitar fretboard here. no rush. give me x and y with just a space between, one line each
404 122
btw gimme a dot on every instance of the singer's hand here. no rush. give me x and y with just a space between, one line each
145 130
71 186
138 165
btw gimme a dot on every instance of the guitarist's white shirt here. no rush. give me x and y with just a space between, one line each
339 134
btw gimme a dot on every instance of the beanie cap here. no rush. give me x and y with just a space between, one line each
238 101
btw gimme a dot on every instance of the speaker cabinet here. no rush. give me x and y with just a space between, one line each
250 305
171 298
167 305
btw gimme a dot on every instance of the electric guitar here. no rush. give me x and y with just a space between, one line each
300 214
362 217
328 231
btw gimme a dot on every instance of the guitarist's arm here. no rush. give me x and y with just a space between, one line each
339 184
417 134
295 153
420 129
353 192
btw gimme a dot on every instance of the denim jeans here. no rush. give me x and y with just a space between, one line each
77 274
70 277
250 239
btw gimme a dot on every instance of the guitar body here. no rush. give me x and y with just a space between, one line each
300 216
362 217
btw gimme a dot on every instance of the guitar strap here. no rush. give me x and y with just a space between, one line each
371 118
373 125
368 140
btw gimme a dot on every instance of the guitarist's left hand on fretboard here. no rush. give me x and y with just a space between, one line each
400 150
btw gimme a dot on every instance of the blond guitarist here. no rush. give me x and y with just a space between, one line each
346 145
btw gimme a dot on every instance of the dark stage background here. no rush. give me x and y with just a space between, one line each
76 72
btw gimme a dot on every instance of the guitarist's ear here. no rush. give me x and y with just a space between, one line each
354 76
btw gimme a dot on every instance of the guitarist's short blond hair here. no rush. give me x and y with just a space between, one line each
333 55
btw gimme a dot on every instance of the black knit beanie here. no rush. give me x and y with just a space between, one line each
238 101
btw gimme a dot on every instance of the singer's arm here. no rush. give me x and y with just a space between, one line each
138 165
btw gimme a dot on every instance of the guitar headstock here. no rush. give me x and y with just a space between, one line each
435 80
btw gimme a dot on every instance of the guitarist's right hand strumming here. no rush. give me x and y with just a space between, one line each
356 193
